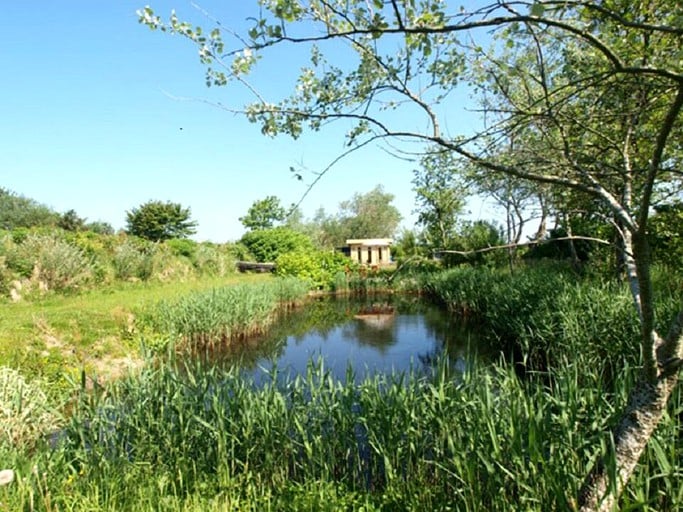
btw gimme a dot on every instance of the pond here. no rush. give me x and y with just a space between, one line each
373 335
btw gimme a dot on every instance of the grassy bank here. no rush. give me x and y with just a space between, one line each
58 335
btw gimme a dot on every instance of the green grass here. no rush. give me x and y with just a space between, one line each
60 334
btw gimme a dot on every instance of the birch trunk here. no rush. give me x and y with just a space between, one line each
646 405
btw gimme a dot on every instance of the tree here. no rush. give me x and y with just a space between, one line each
590 93
100 227
264 214
70 221
17 211
157 221
440 197
369 215
267 244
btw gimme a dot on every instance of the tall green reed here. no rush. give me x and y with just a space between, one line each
221 315
488 441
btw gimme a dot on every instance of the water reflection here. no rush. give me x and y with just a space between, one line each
370 336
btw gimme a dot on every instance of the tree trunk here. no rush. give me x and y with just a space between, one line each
646 405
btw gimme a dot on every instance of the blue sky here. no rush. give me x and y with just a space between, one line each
91 120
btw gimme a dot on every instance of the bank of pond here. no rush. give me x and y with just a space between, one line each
468 390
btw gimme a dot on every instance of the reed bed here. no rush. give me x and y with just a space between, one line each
543 316
219 316
200 438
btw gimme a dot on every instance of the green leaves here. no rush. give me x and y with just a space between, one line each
264 214
157 221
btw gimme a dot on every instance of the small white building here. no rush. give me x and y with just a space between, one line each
370 251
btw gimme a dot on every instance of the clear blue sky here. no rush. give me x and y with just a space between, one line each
88 120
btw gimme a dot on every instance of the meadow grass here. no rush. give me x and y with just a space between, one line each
60 334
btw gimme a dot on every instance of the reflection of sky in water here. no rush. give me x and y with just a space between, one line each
373 344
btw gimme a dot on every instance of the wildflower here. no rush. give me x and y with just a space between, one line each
6 476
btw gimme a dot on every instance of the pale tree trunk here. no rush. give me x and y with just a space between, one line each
542 228
646 406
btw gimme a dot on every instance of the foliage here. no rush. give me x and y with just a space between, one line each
369 215
544 314
133 260
50 260
222 315
214 260
26 415
17 211
407 244
182 247
440 197
100 227
319 268
473 236
201 438
264 214
70 221
666 234
157 221
267 244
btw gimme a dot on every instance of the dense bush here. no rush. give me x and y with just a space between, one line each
133 261
51 261
319 268
267 244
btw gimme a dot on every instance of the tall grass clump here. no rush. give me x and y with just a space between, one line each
199 438
213 260
26 414
224 314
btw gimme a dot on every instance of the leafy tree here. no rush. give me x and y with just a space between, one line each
17 211
157 221
666 233
471 239
264 214
440 197
267 244
369 215
100 227
578 95
70 221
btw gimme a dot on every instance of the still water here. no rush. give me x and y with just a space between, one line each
369 336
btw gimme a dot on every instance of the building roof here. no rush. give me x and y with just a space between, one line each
370 242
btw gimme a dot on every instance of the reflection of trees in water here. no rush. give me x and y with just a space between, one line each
459 342
376 331
322 316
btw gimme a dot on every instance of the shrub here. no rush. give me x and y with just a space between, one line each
51 260
214 260
267 244
182 247
319 268
133 261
